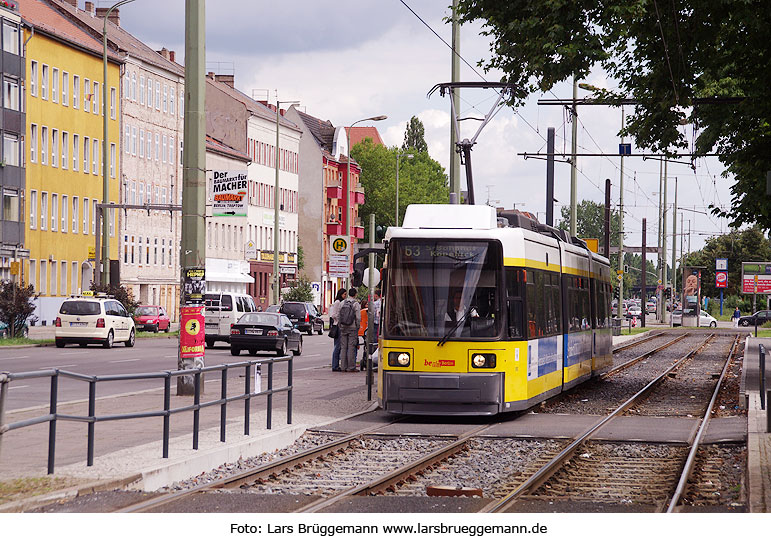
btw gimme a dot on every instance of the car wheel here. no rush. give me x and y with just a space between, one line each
209 344
282 351
713 324
59 344
235 351
321 329
299 348
744 323
252 351
132 338
109 340
168 326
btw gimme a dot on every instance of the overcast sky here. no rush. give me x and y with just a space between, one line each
348 60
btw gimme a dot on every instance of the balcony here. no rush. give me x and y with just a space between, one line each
335 229
334 192
357 230
358 195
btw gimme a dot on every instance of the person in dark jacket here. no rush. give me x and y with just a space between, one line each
333 312
349 332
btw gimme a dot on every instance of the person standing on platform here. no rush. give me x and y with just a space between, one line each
334 310
736 316
349 316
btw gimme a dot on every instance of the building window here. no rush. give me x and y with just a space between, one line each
75 214
165 148
54 147
133 86
112 103
96 98
33 78
33 209
44 145
149 93
95 156
11 150
65 209
54 279
65 150
149 145
86 151
44 211
133 141
127 140
43 276
65 88
93 216
172 93
141 193
85 215
55 85
165 98
141 143
157 147
54 212
133 197
74 279
75 91
141 90
111 219
10 93
86 95
10 38
75 150
63 273
157 95
44 83
11 205
112 160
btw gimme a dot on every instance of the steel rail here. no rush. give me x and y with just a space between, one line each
547 470
264 470
382 483
641 357
696 441
641 340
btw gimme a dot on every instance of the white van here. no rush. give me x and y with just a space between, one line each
223 309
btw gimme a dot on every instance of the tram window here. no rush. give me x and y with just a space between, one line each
514 280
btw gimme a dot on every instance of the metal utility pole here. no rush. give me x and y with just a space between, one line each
573 166
674 250
549 176
193 250
644 274
664 248
455 98
658 242
607 218
621 220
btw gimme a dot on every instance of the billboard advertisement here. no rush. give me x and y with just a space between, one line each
230 193
192 337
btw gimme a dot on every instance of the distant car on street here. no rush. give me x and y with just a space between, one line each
634 312
705 319
650 307
257 331
758 318
151 318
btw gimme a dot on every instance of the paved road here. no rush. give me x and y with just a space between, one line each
149 355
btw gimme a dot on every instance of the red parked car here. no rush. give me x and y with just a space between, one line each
151 318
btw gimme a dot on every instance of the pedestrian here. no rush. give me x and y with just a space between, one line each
376 304
349 319
333 320
736 317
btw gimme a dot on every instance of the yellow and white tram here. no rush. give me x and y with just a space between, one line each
483 315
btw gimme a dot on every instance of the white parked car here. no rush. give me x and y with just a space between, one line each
94 320
705 320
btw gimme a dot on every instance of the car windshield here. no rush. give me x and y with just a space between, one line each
146 311
297 309
443 289
259 318
80 308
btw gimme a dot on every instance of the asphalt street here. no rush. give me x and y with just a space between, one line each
149 355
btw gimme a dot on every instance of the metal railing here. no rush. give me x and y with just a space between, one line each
250 367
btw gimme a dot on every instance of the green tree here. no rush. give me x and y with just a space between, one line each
120 293
301 291
664 58
16 306
422 180
590 221
415 136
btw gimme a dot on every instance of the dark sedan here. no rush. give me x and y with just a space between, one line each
305 316
269 331
758 318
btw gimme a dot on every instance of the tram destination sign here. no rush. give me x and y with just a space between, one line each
430 252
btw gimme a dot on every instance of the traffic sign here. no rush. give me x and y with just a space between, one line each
251 250
339 245
620 277
376 277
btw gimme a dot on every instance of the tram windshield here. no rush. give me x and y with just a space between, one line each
444 290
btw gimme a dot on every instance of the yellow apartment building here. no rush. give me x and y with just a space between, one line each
63 154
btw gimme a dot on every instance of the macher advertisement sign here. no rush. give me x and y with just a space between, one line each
192 337
230 194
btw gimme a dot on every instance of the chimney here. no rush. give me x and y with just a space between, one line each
210 75
90 9
228 79
164 53
173 56
101 12
282 111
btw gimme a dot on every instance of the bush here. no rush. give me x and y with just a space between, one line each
16 306
120 293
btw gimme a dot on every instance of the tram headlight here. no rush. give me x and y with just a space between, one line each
483 361
398 359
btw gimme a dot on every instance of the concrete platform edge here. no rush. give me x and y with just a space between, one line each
758 457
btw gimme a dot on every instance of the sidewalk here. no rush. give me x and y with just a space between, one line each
758 438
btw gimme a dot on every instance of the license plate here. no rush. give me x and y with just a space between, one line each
254 331
78 324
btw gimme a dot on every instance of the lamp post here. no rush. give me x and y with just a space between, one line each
276 199
398 157
105 277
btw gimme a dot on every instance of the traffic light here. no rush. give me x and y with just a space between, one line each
358 273
668 292
380 232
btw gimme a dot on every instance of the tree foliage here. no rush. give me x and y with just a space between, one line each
665 56
415 136
590 221
16 305
120 293
301 291
422 180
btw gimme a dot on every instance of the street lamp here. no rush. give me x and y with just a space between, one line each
276 199
348 180
105 278
399 156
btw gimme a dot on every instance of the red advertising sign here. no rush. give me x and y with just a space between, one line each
192 338
721 279
763 283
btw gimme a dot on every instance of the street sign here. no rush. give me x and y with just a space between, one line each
721 279
14 268
339 245
251 251
625 149
365 280
620 277
340 256
721 264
